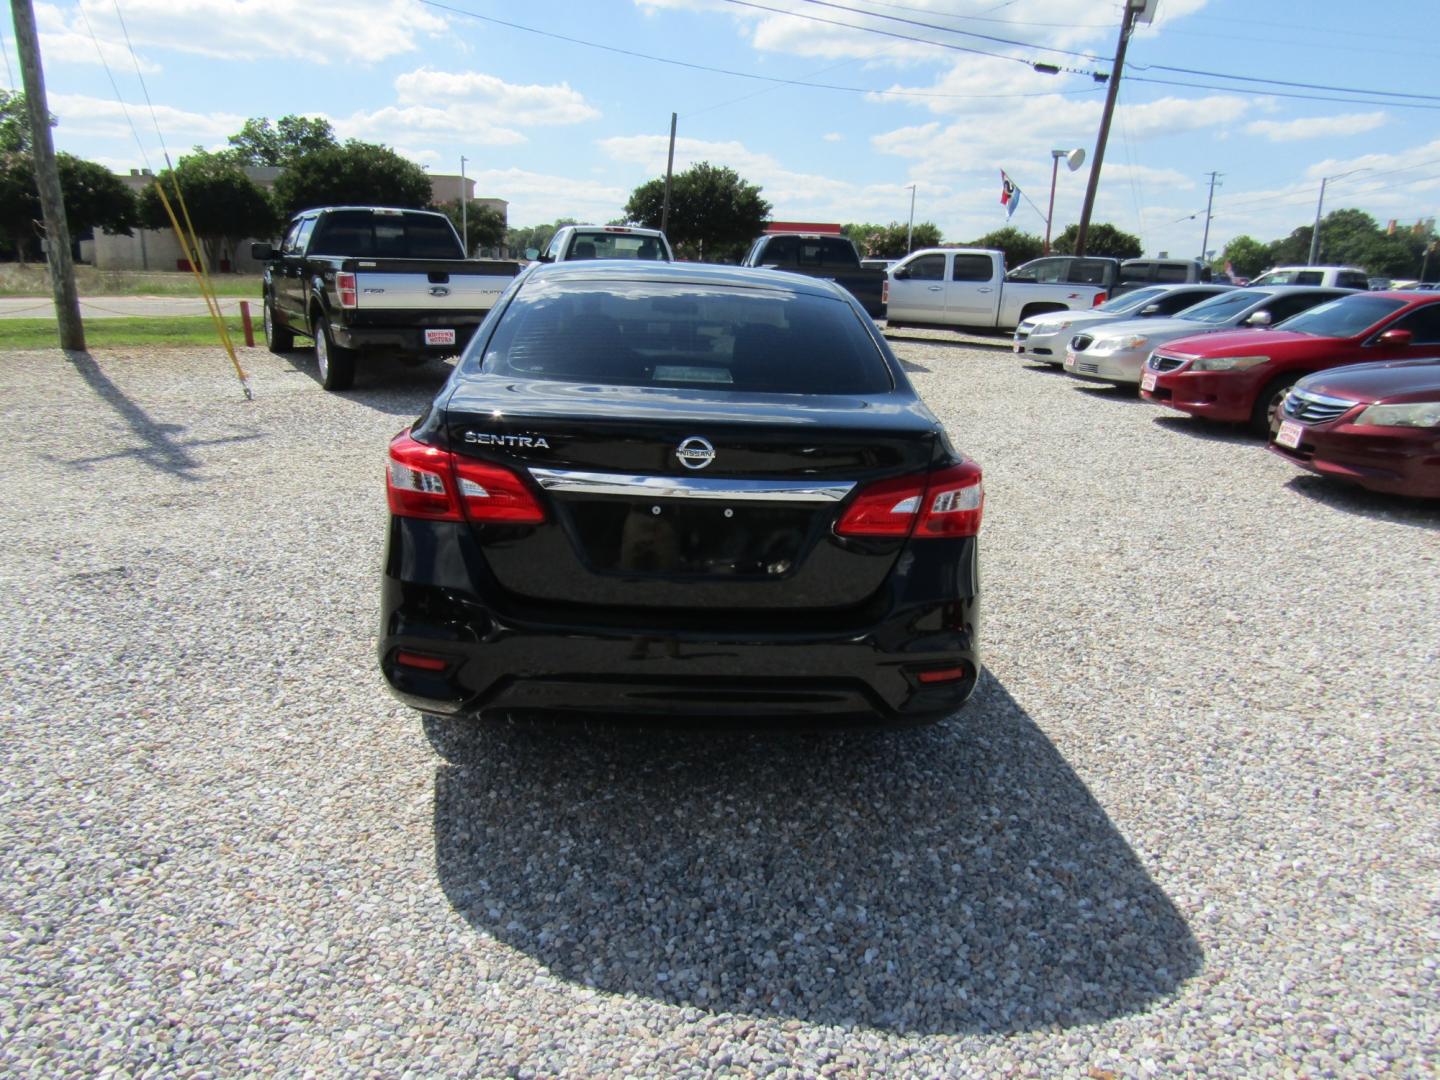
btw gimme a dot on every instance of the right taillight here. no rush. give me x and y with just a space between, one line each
943 502
427 482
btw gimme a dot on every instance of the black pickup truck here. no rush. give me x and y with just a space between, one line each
368 279
821 255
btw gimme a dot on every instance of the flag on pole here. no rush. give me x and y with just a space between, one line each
1009 195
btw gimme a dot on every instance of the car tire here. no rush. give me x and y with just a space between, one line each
278 339
336 363
1264 414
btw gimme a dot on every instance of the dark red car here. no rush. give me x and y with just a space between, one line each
1376 425
1243 376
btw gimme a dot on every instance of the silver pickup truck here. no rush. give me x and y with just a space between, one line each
969 287
360 280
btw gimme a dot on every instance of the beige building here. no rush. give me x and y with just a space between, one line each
157 249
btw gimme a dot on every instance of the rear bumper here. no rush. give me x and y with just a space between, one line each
492 656
407 339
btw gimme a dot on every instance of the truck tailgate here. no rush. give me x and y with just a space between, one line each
384 288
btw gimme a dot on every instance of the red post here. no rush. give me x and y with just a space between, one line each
245 321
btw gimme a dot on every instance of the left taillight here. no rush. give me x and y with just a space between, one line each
345 286
427 482
1099 299
943 502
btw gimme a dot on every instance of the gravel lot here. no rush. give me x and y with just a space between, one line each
1188 825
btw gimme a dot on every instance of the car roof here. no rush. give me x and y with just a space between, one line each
618 270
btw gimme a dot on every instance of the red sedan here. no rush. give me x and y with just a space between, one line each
1243 376
1376 425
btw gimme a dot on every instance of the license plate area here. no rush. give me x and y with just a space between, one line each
1147 381
1290 434
439 337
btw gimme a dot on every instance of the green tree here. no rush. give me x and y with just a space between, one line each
714 214
1103 239
94 198
15 122
224 204
889 241
1247 256
1293 250
1018 246
357 173
485 224
291 137
522 239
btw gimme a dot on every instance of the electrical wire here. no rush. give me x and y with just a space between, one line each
1278 93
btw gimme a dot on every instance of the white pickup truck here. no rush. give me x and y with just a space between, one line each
968 287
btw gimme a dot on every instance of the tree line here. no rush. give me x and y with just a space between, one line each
223 205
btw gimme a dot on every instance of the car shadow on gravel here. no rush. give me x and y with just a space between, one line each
950 342
1206 429
1125 394
1352 499
952 879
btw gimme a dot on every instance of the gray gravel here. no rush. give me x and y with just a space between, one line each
1187 826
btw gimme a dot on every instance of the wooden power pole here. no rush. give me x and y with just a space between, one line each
47 179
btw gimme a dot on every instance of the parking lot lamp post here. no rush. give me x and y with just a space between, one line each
1320 203
1074 159
464 217
910 229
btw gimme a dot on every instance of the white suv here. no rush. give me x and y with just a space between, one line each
1339 277
607 242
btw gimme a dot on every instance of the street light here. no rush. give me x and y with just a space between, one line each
1315 232
910 229
1074 159
464 217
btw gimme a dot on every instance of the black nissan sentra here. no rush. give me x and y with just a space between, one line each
680 491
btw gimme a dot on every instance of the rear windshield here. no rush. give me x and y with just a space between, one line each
366 234
647 333
1345 317
1291 277
1222 308
606 245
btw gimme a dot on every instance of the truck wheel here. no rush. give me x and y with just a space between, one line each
1264 415
278 339
336 363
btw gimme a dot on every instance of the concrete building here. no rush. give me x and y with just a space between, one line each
157 249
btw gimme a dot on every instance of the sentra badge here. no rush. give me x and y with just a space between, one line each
527 442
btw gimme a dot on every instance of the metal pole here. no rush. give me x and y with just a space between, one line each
910 229
464 210
669 169
1127 21
1315 232
1055 156
1205 242
47 180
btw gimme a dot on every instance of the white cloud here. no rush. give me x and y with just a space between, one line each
475 123
1315 127
105 118
518 104
318 32
833 136
537 198
71 42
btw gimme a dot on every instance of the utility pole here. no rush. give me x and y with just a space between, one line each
464 207
669 168
1205 242
47 179
1315 232
910 229
1127 23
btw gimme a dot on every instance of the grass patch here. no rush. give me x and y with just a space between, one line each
117 333
33 279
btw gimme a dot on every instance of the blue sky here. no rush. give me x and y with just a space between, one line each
560 128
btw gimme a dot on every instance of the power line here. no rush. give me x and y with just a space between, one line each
1282 82
1283 94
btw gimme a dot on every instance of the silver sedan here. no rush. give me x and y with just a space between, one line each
1043 338
1116 352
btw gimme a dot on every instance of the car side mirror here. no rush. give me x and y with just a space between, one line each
1396 337
1150 309
1260 318
262 252
532 253
901 272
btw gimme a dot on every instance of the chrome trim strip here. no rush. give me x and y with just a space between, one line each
691 487
1323 399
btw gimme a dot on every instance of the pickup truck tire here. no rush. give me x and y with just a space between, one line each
335 363
278 339
1264 415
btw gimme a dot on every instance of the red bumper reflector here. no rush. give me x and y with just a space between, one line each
418 660
949 674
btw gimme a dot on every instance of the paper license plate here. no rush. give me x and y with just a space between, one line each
1019 348
439 337
1069 357
1289 434
1147 381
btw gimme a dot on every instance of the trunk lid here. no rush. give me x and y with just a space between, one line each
677 498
